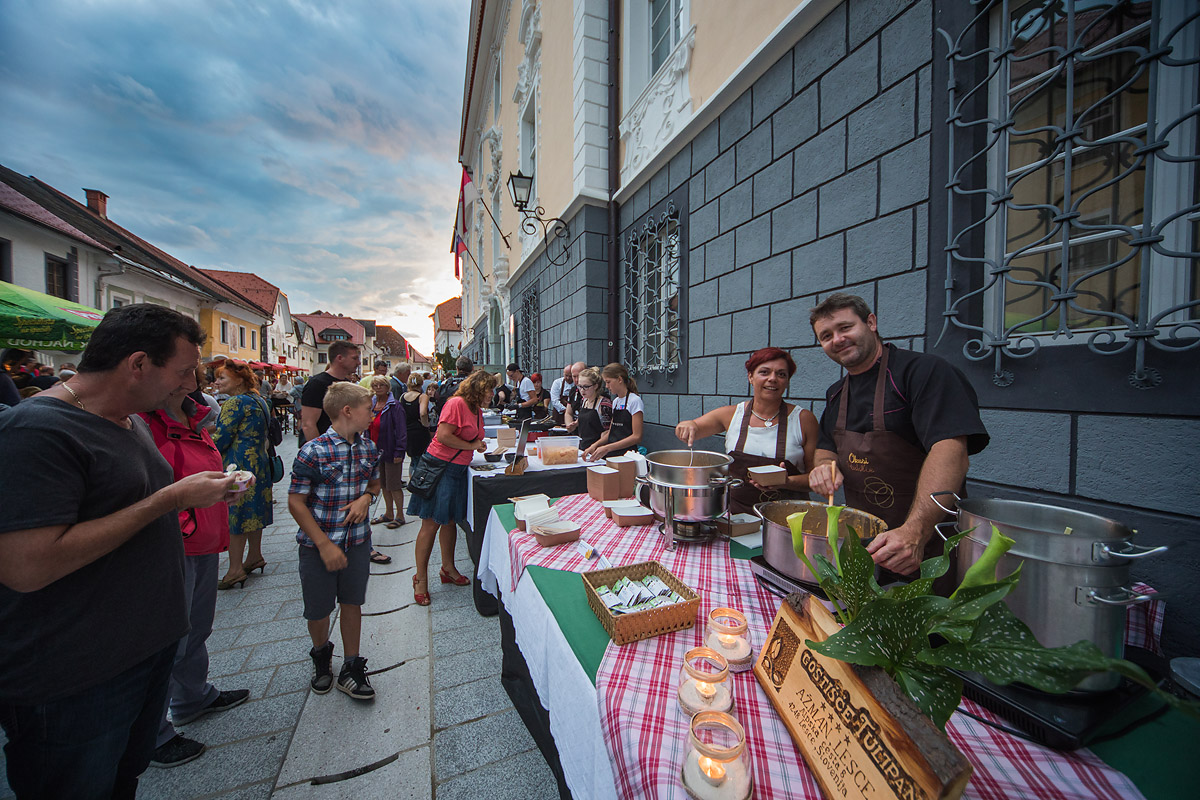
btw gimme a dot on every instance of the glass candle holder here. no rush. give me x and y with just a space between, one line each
727 634
702 684
715 767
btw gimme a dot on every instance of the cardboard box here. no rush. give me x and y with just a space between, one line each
555 533
738 525
604 483
506 437
624 516
768 476
609 505
528 505
628 469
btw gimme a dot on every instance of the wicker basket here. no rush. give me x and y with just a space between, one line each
626 628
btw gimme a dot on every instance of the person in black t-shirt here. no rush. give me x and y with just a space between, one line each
343 361
930 426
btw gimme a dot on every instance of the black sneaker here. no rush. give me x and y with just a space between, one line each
353 680
223 702
322 680
179 750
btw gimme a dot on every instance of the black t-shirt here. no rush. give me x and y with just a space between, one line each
314 395
63 465
925 401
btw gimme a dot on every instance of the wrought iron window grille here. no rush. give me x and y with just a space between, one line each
529 349
651 295
1119 185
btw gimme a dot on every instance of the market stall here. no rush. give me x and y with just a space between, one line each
37 321
613 719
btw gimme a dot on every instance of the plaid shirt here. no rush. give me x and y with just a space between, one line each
334 472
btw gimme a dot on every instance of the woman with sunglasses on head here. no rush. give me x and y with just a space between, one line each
762 431
625 431
593 416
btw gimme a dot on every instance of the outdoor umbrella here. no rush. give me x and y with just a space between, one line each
39 321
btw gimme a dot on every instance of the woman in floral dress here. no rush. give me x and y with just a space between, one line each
241 436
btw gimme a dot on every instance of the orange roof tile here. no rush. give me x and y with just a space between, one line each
323 320
444 314
252 288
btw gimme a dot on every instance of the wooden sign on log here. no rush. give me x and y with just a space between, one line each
860 735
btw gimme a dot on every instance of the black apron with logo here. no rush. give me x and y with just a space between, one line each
743 498
620 428
879 468
591 427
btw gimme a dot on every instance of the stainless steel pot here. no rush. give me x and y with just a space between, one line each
1075 582
674 503
687 467
777 536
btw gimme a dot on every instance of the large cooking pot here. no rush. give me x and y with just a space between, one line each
1075 582
692 503
777 536
687 467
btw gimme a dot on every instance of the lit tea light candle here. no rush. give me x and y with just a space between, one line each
702 685
715 766
727 634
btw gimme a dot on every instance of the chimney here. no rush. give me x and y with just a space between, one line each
97 201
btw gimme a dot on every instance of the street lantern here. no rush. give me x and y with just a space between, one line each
458 321
520 186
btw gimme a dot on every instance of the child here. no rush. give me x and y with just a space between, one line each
334 480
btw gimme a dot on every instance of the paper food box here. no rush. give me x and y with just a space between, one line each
506 437
627 467
624 516
604 483
768 476
609 505
524 507
738 525
549 534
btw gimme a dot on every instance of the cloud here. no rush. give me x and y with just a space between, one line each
312 143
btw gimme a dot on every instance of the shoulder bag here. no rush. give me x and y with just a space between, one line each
428 470
275 460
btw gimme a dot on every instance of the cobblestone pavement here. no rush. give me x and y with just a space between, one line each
441 725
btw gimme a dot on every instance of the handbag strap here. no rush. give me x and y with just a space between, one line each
266 424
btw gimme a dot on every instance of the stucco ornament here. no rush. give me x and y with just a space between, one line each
531 37
662 109
493 139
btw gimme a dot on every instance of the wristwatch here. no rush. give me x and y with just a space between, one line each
373 495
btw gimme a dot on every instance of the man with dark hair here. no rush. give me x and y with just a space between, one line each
343 361
526 398
92 600
448 387
380 372
898 427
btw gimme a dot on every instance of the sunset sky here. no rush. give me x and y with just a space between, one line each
314 144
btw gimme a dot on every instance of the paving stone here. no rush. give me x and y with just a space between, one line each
281 652
336 733
226 662
292 609
271 632
463 616
256 681
220 769
399 636
222 639
250 615
251 719
466 667
466 747
406 778
446 595
478 637
289 678
229 600
257 597
259 791
387 590
469 701
522 777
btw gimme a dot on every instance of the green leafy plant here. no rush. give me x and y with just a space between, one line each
918 638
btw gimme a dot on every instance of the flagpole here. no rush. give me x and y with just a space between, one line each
467 250
503 235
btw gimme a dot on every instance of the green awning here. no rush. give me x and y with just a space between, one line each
38 321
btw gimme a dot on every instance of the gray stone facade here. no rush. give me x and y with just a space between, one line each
818 179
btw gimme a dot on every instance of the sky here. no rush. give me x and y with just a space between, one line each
312 143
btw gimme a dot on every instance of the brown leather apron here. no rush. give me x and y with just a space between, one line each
743 498
879 468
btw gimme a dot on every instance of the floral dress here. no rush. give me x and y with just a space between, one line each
241 436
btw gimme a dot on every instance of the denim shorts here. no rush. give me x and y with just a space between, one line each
322 589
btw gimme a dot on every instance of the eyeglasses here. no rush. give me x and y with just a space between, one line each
587 386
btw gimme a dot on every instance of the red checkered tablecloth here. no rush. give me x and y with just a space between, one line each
647 734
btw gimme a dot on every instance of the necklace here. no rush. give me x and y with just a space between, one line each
767 422
71 391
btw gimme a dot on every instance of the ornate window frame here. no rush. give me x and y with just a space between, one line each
979 193
652 294
529 333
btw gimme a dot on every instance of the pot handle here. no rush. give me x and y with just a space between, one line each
642 479
934 497
1129 550
1129 598
938 529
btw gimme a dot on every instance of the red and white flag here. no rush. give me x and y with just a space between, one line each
467 193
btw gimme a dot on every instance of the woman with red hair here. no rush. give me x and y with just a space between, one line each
761 431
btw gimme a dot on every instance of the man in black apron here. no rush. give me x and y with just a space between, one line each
899 427
525 395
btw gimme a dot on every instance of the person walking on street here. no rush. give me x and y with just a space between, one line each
92 598
343 360
389 432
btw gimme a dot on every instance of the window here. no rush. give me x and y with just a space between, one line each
241 336
529 349
495 229
58 276
496 81
253 340
6 268
651 295
322 358
1091 219
224 331
664 30
529 147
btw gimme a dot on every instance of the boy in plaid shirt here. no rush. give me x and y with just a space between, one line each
334 480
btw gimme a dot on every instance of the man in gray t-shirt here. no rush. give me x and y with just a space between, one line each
91 560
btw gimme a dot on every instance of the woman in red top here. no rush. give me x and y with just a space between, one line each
189 449
459 435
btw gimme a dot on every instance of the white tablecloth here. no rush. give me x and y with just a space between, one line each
562 685
534 465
